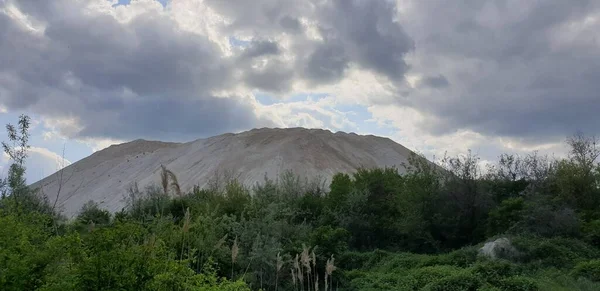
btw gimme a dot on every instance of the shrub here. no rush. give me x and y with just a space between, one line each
494 271
458 282
380 281
361 260
518 284
330 241
488 287
591 231
561 253
92 213
461 258
423 276
403 261
589 270
508 213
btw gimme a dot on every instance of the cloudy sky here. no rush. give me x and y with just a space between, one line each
492 76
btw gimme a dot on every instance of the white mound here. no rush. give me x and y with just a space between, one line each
105 176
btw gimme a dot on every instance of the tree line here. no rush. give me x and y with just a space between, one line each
375 229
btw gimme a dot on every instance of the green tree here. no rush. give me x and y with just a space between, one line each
17 148
92 213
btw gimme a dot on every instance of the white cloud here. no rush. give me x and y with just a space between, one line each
407 124
320 113
40 163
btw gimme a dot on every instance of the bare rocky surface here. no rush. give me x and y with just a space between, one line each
106 175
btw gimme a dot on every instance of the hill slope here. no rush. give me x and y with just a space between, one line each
106 175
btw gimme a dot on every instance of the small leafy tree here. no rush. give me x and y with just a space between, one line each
16 149
92 213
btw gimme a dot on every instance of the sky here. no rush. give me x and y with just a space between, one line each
439 77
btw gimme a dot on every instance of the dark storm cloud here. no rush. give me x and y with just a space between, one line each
275 77
144 78
522 69
369 33
170 119
291 24
326 64
260 48
438 81
354 31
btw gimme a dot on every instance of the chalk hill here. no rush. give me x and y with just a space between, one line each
106 175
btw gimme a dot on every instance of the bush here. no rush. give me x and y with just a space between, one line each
561 253
425 275
458 282
591 232
518 284
330 241
589 270
555 280
403 261
461 258
508 213
379 281
488 287
362 260
494 271
91 213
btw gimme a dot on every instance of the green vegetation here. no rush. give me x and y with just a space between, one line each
373 230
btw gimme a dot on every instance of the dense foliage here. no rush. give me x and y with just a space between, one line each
377 229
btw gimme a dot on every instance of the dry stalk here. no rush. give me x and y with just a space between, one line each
299 271
278 266
235 249
313 258
186 221
305 259
185 229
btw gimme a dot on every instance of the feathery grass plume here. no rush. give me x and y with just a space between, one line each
293 277
235 249
164 179
174 183
329 269
165 176
313 258
305 257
